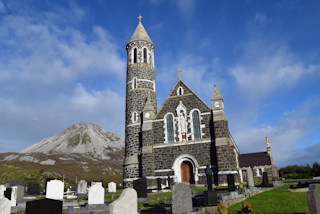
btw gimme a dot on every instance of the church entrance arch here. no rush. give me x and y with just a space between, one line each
185 169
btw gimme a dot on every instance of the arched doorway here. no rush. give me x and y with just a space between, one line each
187 174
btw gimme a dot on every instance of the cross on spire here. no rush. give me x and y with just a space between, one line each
179 71
140 17
215 85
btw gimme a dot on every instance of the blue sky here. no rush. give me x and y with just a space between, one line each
64 62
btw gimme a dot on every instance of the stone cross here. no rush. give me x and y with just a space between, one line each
140 17
179 71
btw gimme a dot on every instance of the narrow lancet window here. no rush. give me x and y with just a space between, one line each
196 125
134 84
145 55
170 133
135 55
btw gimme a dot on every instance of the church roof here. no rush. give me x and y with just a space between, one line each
216 94
254 159
140 34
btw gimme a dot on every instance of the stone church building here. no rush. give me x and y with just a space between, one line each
181 138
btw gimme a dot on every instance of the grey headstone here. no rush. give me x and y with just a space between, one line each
5 205
314 198
47 206
265 180
112 187
126 203
20 194
82 187
181 198
250 177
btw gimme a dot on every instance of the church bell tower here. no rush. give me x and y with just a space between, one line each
140 88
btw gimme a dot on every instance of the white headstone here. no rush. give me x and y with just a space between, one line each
2 189
112 187
126 203
14 195
82 187
250 177
96 194
55 190
5 205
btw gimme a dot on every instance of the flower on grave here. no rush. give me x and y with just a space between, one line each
222 209
246 206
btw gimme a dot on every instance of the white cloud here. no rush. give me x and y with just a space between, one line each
268 71
2 7
186 7
286 137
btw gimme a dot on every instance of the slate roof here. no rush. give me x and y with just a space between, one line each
254 159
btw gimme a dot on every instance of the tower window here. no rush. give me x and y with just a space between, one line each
170 131
196 125
134 83
134 117
145 55
135 55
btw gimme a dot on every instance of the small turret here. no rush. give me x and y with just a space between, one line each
148 110
269 150
217 101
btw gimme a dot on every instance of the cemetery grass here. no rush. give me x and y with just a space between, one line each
155 198
276 201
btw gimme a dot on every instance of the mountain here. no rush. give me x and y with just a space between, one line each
83 138
83 150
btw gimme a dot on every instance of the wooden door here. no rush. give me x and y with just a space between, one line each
185 172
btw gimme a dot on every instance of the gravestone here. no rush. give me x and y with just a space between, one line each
46 205
47 180
209 174
96 194
250 178
231 185
7 193
33 188
55 190
314 198
20 194
126 203
112 187
140 185
210 197
5 205
82 187
14 194
265 181
181 198
2 189
159 184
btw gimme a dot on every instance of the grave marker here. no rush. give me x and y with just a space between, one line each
314 198
46 205
250 177
231 185
5 205
2 189
96 194
181 198
141 187
33 188
55 190
82 187
112 187
126 203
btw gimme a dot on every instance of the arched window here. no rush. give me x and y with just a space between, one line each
180 91
134 117
134 83
135 55
170 131
196 125
145 55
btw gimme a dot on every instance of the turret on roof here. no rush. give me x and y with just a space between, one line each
140 34
216 94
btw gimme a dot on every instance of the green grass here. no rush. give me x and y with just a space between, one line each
276 201
156 198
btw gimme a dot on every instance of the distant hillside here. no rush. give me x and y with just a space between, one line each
83 150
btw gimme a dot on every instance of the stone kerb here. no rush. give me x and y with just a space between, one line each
96 194
55 190
181 198
314 198
126 203
5 205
